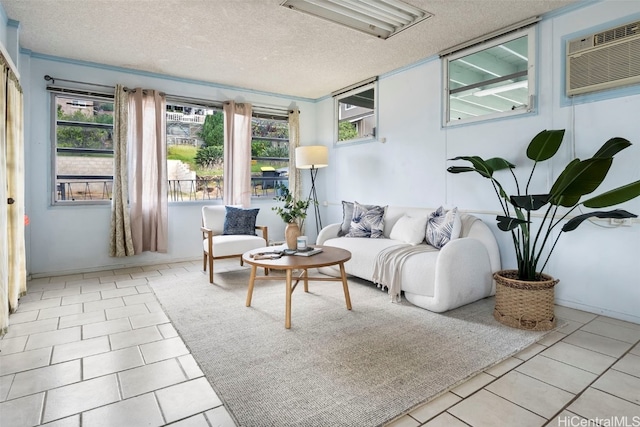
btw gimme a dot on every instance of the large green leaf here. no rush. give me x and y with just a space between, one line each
573 223
615 196
530 202
545 145
612 147
498 163
579 178
507 223
478 163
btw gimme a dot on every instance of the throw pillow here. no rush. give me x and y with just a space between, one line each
367 222
347 215
240 221
443 226
409 229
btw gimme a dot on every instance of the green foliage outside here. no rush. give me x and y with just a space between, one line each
347 131
80 137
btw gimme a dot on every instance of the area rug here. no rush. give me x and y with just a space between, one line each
334 367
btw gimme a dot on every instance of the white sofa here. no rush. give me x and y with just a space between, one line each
437 280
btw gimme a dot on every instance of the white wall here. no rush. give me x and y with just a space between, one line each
71 239
599 267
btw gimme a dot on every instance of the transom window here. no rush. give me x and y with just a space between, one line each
356 117
494 79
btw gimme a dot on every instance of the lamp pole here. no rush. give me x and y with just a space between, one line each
314 196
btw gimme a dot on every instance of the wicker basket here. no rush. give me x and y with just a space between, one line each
522 304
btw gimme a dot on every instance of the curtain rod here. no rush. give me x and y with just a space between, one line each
179 98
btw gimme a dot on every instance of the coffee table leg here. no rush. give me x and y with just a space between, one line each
345 286
287 317
306 280
252 281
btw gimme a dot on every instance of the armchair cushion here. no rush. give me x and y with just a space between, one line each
240 221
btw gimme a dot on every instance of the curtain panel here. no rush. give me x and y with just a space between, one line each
147 160
13 272
294 142
237 154
120 240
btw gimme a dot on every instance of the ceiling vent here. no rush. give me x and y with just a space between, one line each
604 60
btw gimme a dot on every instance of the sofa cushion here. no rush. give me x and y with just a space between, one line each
443 226
409 229
347 215
367 222
240 221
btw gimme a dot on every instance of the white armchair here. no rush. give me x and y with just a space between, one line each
217 245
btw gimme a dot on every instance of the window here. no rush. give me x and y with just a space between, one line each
356 115
494 79
195 153
83 154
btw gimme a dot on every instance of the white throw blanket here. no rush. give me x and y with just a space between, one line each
387 270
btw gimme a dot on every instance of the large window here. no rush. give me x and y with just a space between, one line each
195 153
83 160
493 79
83 151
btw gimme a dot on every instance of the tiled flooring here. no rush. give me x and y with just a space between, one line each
95 349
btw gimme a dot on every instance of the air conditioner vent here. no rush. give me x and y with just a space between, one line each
604 60
617 33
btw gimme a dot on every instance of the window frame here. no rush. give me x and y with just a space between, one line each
531 72
336 118
55 122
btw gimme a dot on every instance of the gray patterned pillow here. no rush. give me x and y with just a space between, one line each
443 226
240 221
367 222
347 215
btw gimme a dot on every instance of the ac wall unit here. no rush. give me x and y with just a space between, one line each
604 60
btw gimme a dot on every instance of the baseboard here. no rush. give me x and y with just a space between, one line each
597 310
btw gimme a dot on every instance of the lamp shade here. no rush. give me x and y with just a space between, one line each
312 156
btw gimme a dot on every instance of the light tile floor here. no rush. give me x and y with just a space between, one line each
95 349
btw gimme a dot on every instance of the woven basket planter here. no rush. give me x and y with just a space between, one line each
522 304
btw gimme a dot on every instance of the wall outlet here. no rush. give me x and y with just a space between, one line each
624 222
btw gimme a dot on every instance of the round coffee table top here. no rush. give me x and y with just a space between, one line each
328 256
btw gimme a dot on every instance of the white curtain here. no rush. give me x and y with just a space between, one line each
294 142
120 241
237 154
147 160
13 272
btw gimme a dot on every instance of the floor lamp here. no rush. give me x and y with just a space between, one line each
313 157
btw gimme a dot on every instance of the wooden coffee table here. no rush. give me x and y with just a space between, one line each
329 256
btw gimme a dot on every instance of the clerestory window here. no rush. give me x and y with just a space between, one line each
490 80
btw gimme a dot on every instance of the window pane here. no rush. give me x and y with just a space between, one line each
83 149
195 140
356 114
269 155
490 81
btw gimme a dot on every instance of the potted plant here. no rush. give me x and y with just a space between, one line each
524 297
292 213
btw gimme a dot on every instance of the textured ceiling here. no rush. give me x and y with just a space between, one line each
252 44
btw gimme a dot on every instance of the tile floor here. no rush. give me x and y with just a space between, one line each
95 349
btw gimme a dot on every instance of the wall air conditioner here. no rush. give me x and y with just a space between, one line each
604 60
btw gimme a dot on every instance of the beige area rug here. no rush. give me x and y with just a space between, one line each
334 367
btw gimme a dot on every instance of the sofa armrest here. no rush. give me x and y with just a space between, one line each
328 232
463 274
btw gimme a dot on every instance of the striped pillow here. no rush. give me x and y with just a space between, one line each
443 226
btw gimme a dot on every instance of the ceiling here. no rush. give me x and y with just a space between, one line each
251 44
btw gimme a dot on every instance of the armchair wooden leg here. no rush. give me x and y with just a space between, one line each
210 269
204 261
